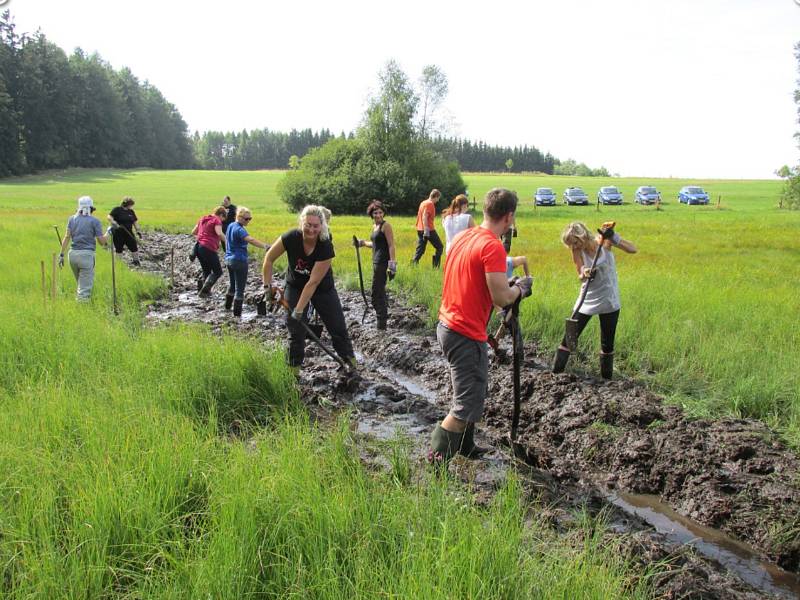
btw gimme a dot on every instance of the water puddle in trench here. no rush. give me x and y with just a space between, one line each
734 555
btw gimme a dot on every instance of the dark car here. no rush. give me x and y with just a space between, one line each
544 197
609 195
575 195
691 194
647 194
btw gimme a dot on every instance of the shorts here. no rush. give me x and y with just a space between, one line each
469 373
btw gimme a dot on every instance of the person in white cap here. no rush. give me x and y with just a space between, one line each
83 231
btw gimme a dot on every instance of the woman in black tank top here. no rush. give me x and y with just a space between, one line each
383 259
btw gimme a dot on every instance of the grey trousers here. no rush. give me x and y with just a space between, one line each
469 373
82 264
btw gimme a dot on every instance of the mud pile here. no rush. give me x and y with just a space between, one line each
584 439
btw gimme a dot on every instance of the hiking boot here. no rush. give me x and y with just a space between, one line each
228 301
237 308
607 365
444 445
468 448
560 362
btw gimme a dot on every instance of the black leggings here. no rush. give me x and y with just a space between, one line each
329 309
608 329
122 237
379 290
422 243
209 262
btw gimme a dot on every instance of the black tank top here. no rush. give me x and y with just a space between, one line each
380 247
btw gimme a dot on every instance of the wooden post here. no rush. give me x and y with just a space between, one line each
53 278
658 203
114 281
44 286
719 201
172 267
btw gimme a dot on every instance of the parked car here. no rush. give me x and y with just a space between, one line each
691 194
609 195
575 195
544 197
647 194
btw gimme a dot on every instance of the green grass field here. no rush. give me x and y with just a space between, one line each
709 305
120 478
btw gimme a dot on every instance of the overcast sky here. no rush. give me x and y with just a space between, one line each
684 88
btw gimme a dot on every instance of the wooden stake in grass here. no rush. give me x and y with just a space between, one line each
44 286
114 281
53 278
719 201
172 267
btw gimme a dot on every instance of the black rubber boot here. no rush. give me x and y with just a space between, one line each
560 362
444 445
237 308
468 447
607 365
200 283
381 324
228 301
205 291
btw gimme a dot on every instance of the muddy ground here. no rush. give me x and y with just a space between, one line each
611 446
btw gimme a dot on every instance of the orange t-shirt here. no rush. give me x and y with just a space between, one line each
466 301
426 211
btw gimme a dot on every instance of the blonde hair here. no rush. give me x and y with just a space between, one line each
312 210
576 232
243 211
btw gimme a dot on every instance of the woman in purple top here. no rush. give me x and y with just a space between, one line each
83 231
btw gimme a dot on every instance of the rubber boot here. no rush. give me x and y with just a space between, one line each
468 447
136 262
228 301
607 365
205 291
200 283
436 260
560 362
381 324
444 445
237 308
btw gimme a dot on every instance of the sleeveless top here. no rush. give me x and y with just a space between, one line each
603 294
380 246
453 225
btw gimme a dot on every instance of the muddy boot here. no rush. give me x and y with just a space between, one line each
560 362
468 447
444 445
607 365
381 324
135 256
228 301
237 308
200 282
205 291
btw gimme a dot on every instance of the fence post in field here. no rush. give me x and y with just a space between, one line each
44 286
658 204
53 278
719 201
172 266
114 281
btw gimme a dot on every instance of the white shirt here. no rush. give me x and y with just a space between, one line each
453 225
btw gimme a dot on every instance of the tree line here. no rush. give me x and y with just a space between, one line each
60 111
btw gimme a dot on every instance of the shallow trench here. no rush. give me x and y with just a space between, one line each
718 501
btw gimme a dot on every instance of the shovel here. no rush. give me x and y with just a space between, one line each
571 326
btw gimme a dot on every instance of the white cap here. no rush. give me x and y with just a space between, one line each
85 202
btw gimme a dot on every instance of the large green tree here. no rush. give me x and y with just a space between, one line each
389 158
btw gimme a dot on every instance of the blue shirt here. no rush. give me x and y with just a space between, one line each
235 244
83 232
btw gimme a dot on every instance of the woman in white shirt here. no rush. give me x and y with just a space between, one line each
456 219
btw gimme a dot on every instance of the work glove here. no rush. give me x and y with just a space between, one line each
513 232
392 270
61 260
607 230
525 285
110 230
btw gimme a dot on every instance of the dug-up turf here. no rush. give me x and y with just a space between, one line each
585 443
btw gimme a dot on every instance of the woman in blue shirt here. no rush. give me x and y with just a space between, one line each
236 240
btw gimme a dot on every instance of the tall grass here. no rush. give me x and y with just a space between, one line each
121 476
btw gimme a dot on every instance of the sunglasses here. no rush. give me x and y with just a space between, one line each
247 218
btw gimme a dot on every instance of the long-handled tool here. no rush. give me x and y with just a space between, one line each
58 235
357 245
571 325
311 335
519 350
114 282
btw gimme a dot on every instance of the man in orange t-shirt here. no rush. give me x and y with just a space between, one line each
426 231
474 281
